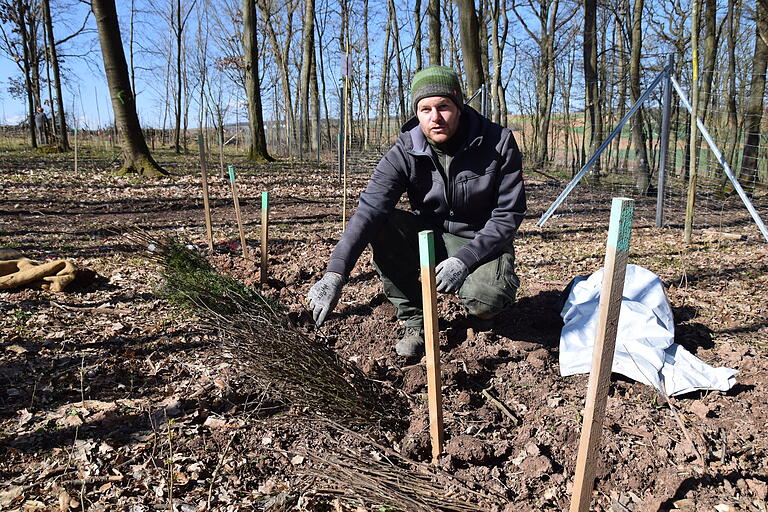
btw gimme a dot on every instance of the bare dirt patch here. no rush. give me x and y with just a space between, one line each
112 399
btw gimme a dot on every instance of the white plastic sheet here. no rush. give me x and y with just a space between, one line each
645 350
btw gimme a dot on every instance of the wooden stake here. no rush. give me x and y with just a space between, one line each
432 341
206 204
75 144
617 248
237 209
264 233
221 153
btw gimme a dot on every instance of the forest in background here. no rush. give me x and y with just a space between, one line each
559 72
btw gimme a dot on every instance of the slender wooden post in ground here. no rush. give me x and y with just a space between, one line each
617 249
431 340
75 144
264 233
221 153
237 209
693 145
206 204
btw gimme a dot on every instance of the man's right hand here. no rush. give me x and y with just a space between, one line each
324 296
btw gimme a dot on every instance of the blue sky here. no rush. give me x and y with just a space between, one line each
84 85
85 88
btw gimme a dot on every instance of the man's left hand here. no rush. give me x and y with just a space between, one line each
450 275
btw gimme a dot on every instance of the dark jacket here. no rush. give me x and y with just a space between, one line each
483 199
40 119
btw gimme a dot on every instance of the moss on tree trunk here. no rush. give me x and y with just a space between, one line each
255 155
142 166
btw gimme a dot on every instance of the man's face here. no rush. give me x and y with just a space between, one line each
438 118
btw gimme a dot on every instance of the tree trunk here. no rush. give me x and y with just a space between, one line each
601 92
34 55
591 81
63 141
453 49
549 24
167 101
257 151
185 88
710 54
470 45
281 61
398 62
435 37
549 96
322 81
619 78
22 13
314 107
642 177
502 87
753 113
136 155
177 119
708 70
733 16
367 77
417 34
497 52
307 51
565 87
131 67
483 38
383 111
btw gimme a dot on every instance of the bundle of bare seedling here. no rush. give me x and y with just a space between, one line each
255 332
378 475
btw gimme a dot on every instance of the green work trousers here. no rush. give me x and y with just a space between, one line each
487 291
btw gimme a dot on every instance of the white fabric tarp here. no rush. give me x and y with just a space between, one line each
645 348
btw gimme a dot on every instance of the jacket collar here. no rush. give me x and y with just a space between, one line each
475 126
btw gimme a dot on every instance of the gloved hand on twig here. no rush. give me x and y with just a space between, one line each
324 296
450 275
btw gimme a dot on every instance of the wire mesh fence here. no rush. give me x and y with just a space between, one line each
625 170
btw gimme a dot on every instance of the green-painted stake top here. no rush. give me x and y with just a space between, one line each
264 200
232 173
427 248
620 228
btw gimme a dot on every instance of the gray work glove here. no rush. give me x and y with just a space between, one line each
450 275
324 296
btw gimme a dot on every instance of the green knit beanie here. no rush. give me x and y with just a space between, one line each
436 81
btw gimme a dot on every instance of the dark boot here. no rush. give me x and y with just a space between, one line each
411 344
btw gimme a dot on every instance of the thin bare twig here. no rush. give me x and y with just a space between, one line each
92 480
86 309
502 407
217 468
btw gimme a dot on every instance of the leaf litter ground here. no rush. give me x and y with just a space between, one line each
113 399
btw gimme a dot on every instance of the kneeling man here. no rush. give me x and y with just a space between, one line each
462 174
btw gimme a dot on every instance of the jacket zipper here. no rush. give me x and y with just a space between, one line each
446 176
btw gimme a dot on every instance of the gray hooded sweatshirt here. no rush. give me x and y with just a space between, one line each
480 196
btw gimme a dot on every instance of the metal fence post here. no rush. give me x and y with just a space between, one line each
719 156
664 142
572 184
